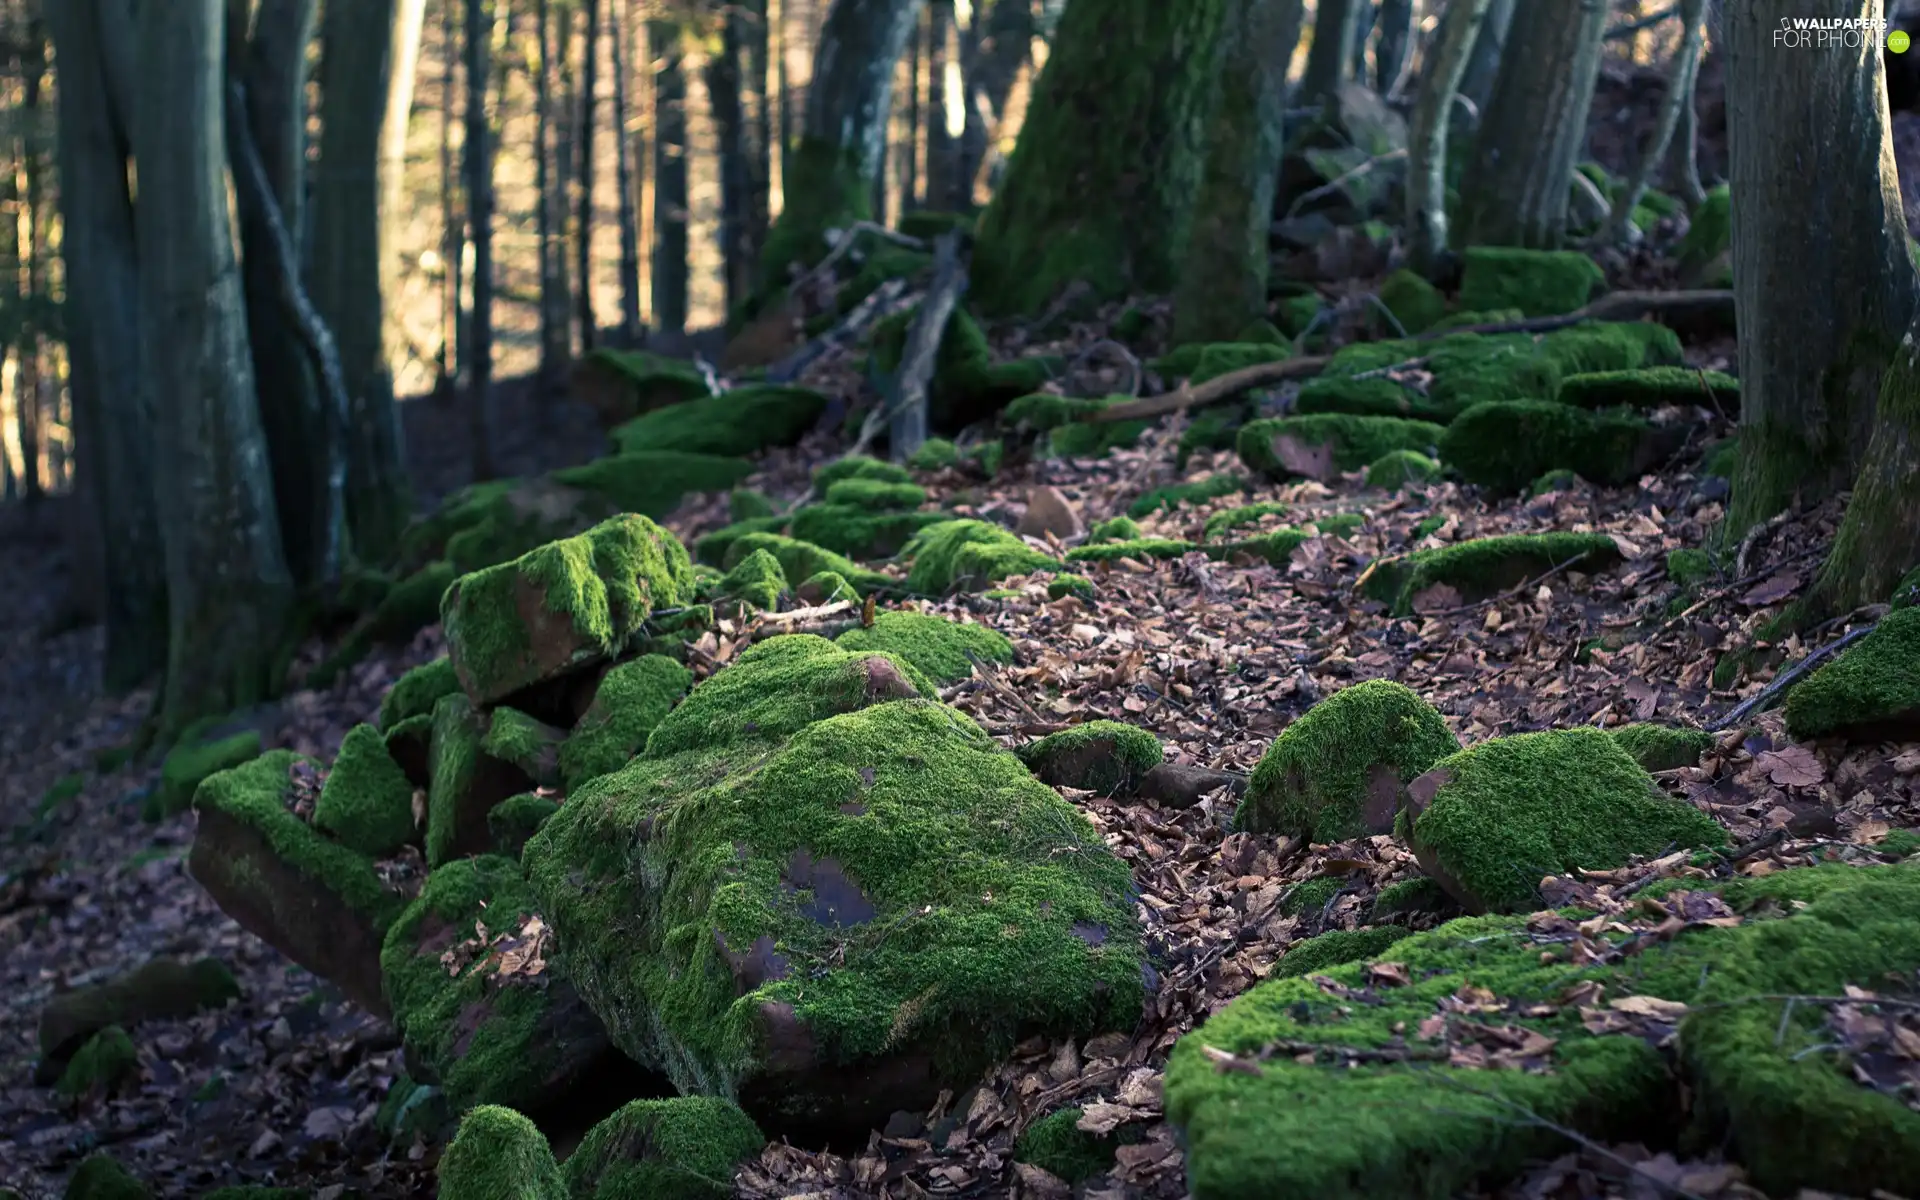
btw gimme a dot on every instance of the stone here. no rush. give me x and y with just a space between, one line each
1050 512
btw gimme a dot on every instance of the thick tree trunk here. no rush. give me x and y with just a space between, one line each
620 16
1823 287
670 199
1394 49
1879 538
1427 138
829 178
583 226
1223 276
1483 66
1532 130
112 412
1334 30
480 205
1117 115
999 45
1678 96
229 591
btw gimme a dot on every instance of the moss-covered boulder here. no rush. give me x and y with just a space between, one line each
562 607
737 423
968 555
99 1177
1116 529
484 524
1415 303
1709 236
1483 567
858 466
498 1154
1336 772
1409 897
1066 584
1652 387
876 495
1138 549
1540 283
319 903
868 899
100 1066
860 532
479 759
632 698
622 384
711 549
416 692
1334 947
514 821
1325 444
653 483
1099 756
802 559
367 801
1490 822
826 587
192 761
1871 692
163 989
1062 430
1488 1018
756 581
943 650
687 1147
1504 445
1395 470
1662 747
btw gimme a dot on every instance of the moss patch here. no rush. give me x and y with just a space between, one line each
876 495
163 989
1140 549
1393 471
1414 302
1709 231
944 650
1652 387
743 421
514 821
415 693
367 801
859 532
1248 514
104 1062
1484 567
801 559
1409 896
858 466
653 484
631 700
756 581
1506 444
1870 692
1063 585
1335 947
1099 756
1199 491
968 555
189 764
1540 283
711 549
686 1147
1662 747
1351 441
101 1178
499 1155
826 587
1057 1145
1116 529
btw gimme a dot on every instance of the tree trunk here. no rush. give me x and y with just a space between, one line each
566 131
1334 30
620 17
1879 538
1364 14
670 200
1483 65
1223 275
1684 161
229 592
32 415
1001 45
1394 49
453 235
583 227
1427 138
753 17
1100 188
480 206
829 179
1823 287
555 342
946 91
409 18
725 102
1685 59
1532 130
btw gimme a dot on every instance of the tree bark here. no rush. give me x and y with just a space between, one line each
1678 96
1684 164
828 183
725 76
480 206
229 592
1483 66
999 45
32 414
555 339
946 88
1446 67
1334 29
1822 283
583 226
1100 188
620 16
670 200
1879 538
409 18
1223 276
1532 129
753 18
453 236
113 416
1394 49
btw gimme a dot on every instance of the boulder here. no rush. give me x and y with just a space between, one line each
1870 692
480 759
941 649
688 1148
968 555
631 699
1480 568
416 692
1540 283
1049 511
1099 756
1324 445
163 989
1183 785
367 801
1504 445
499 1154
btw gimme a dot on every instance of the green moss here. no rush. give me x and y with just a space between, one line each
1248 514
1043 412
1557 480
826 587
745 504
488 523
1223 358
655 380
652 483
62 790
513 821
1468 318
1871 691
935 454
366 802
1377 397
632 699
968 555
188 764
1689 567
411 1109
1310 896
801 559
1426 526
165 989
257 1193
755 580
1505 445
415 693
514 737
1906 593
1709 232
1057 1145
1901 843
943 650
1335 947
101 1178
1355 440
1063 585
1516 809
1410 896
1138 549
499 1155
859 532
1098 756
858 466
1662 747
1116 529
687 1147
1199 491
1651 387
1721 458
1484 567
1335 773
1397 469
711 549
876 495
740 422
1540 283
100 1066
1058 418
1414 302
1598 346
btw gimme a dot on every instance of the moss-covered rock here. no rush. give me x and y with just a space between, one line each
632 698
1224 358
162 989
1484 567
499 1155
190 763
935 454
862 907
743 421
1540 283
744 504
1057 1145
416 692
1066 584
367 801
826 587
561 607
858 466
1662 747
1376 397
689 1146
99 1177
515 820
1409 897
1709 232
711 549
1414 302
1099 756
1139 549
1490 822
653 483
1116 529
322 905
1336 772
480 759
1198 491
756 581
410 745
1063 432
1312 955
859 532
1504 445
622 384
489 523
1228 520
1871 692
802 559
876 495
101 1064
943 650
1557 480
1652 387
968 555
1319 445
1397 469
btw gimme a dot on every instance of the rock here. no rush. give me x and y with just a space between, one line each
1651 388
943 650
480 759
319 903
806 800
621 384
515 820
367 801
190 762
101 1178
1870 693
496 1155
631 699
968 555
562 607
1183 785
687 1148
1490 822
164 989
825 587
756 581
1099 756
415 693
1504 445
1540 283
104 1062
1325 444
1480 568
802 559
1336 772
735 424
410 745
1661 748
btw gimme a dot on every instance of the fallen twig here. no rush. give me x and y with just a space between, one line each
1785 679
864 313
1752 540
1333 185
907 418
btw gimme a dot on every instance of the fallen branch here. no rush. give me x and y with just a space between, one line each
907 422
1333 185
864 314
1727 589
1620 306
844 243
1786 679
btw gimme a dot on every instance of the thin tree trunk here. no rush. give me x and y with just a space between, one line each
1001 46
453 239
583 229
1364 12
729 110
1334 27
749 20
620 17
1394 48
943 147
1685 61
229 592
1823 288
555 343
32 416
1684 169
1223 275
1427 139
566 133
480 204
403 74
1532 130
910 120
670 199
